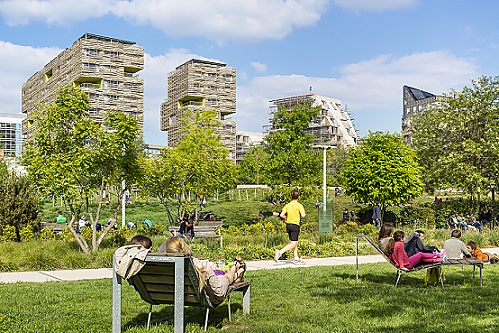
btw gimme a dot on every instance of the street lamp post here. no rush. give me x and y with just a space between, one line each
123 185
324 186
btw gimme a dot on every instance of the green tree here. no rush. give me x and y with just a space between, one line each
73 157
291 159
198 165
382 169
335 161
457 141
252 167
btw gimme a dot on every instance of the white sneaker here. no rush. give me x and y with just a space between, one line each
276 255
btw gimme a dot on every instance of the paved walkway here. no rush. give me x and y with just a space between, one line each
102 273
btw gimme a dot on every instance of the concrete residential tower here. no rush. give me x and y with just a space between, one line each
416 101
103 67
201 85
331 127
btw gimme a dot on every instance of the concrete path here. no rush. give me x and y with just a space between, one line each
102 273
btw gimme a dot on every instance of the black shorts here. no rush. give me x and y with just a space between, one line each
293 231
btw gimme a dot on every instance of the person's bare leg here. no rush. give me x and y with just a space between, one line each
295 252
292 246
230 275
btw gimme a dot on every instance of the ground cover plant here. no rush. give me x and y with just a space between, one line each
305 299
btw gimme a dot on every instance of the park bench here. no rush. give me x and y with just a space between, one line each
204 229
437 265
57 226
171 279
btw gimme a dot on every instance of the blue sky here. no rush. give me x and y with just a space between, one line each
359 51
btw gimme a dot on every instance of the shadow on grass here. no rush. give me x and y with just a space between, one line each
164 315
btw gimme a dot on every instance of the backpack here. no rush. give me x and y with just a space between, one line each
432 275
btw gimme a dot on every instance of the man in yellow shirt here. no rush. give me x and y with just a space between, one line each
292 213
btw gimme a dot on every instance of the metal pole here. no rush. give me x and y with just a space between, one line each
324 179
123 203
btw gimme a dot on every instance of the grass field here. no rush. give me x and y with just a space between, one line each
308 299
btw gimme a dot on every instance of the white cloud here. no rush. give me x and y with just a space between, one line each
375 5
372 89
17 64
259 67
60 12
219 20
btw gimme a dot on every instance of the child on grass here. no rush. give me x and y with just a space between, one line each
402 260
477 252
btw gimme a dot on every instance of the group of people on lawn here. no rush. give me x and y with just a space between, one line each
470 222
406 252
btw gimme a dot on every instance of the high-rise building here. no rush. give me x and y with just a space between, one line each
245 141
11 137
105 68
416 101
333 125
201 85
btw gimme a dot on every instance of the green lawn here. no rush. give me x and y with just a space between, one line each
308 299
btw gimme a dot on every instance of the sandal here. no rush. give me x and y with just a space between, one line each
240 270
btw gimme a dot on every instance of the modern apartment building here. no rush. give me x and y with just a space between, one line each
201 85
11 137
333 125
105 68
416 101
245 141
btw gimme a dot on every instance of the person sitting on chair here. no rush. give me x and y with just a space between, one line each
217 285
187 228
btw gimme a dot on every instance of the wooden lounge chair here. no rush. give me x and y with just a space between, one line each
450 262
171 279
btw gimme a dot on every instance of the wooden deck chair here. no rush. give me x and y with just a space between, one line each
172 279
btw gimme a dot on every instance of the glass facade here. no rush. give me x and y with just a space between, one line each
11 137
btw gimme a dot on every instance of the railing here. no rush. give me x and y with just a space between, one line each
193 103
132 75
90 85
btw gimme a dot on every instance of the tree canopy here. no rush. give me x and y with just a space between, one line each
198 165
72 156
457 140
291 159
381 168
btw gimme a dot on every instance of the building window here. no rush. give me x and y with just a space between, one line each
110 83
212 101
93 96
130 85
90 52
110 98
90 67
111 53
173 119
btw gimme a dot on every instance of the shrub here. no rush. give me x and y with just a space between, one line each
9 234
67 235
18 203
156 229
48 234
26 234
86 232
416 216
